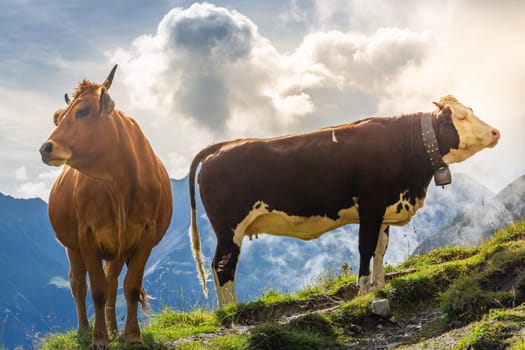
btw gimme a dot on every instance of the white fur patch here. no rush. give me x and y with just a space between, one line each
401 216
225 294
474 134
275 222
334 139
378 271
364 286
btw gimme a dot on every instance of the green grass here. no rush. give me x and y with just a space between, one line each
272 336
173 325
164 326
495 331
439 256
71 341
483 286
497 280
353 312
68 340
226 342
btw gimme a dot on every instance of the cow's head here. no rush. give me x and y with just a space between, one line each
473 133
83 133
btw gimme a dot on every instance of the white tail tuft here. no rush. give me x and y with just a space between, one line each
196 250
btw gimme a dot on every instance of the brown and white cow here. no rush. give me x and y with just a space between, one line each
111 202
374 172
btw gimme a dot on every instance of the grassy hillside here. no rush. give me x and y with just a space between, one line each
450 298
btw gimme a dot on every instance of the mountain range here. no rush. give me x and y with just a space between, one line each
478 222
35 298
34 268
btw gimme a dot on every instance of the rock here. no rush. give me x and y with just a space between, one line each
382 308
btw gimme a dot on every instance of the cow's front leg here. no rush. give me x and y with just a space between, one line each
112 271
370 224
378 271
77 280
97 279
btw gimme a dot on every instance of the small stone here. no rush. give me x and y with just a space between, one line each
382 308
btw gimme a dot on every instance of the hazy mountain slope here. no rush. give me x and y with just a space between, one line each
441 206
480 221
30 259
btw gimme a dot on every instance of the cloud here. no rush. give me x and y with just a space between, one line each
385 63
207 74
177 164
59 282
35 185
21 173
294 12
33 190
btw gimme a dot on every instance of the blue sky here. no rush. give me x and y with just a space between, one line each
196 73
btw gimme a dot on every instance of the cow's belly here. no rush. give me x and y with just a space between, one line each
279 223
275 222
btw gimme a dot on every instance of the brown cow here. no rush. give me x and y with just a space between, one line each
374 172
111 202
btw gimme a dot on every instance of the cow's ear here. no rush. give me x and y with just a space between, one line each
57 115
445 114
106 103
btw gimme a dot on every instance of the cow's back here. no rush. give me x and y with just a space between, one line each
300 174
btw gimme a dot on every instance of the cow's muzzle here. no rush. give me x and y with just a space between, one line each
495 134
50 156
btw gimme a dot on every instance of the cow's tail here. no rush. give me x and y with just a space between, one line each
194 231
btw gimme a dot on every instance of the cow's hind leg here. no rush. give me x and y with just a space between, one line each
77 280
97 279
378 271
224 265
133 291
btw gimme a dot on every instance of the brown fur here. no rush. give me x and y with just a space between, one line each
112 202
307 184
84 86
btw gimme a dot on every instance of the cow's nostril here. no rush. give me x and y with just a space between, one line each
495 133
46 148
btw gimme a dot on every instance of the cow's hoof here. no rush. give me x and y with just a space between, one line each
379 286
132 339
98 347
364 285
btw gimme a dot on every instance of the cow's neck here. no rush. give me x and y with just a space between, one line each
129 161
419 170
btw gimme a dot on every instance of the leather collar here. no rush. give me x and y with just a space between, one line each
430 142
442 174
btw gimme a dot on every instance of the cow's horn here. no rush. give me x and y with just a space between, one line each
439 104
66 97
109 79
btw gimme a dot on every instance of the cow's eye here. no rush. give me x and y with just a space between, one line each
81 113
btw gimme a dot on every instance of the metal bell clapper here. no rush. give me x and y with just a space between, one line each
442 176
